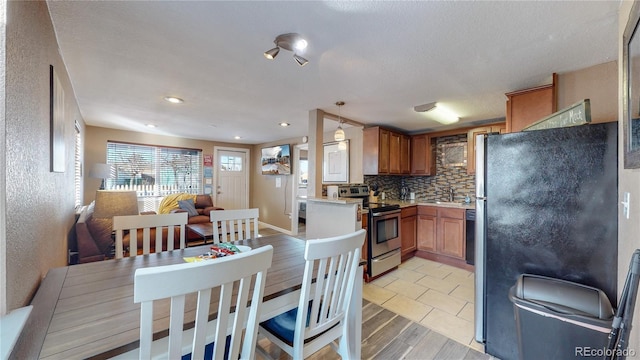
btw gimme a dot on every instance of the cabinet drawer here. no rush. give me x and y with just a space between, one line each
409 211
428 210
451 213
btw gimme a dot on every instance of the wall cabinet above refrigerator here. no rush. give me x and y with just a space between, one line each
524 107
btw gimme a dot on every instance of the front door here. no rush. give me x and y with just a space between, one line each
232 178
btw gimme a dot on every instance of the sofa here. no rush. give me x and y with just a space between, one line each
203 206
94 235
96 242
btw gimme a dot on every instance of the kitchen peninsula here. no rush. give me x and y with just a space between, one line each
332 217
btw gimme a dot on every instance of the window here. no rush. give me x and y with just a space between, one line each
230 163
77 165
154 170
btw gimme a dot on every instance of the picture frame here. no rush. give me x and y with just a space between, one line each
56 123
335 162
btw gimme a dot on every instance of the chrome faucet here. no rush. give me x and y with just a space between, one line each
451 193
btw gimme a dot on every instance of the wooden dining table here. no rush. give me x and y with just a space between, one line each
87 310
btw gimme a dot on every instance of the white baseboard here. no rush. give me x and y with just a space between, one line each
288 232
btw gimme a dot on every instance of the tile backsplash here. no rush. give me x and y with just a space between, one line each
430 188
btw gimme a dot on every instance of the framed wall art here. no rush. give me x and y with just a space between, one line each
56 110
335 163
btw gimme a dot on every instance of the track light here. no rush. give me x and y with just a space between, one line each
292 42
300 60
271 54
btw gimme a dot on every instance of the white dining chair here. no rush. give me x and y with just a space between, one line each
11 325
160 224
232 225
235 326
320 317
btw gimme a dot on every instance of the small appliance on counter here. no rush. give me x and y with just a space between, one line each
332 192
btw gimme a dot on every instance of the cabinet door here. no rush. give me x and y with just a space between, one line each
408 231
426 234
383 155
422 156
525 107
405 154
394 153
450 237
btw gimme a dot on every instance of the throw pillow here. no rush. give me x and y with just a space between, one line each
189 206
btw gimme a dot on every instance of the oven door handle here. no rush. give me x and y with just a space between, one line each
385 256
385 213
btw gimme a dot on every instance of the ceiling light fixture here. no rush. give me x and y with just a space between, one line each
173 99
151 126
438 113
237 137
292 42
339 134
284 124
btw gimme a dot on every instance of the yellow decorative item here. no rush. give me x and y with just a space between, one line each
170 202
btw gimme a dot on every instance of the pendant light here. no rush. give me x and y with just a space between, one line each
339 134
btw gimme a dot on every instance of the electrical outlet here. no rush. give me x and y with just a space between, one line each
278 182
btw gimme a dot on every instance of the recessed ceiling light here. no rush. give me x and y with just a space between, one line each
174 100
150 126
284 124
237 137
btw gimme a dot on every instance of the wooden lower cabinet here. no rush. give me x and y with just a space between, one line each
441 235
427 225
450 237
408 231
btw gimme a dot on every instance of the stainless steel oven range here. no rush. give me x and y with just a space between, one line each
383 230
383 238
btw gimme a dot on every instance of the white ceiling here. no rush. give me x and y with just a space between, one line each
381 57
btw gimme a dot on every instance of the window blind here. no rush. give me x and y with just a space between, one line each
77 166
154 170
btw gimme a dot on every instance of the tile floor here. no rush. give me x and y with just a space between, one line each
435 295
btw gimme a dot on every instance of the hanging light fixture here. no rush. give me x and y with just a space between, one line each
292 42
339 134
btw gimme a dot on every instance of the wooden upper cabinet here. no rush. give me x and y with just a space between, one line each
385 152
423 156
394 153
499 128
375 151
525 107
405 154
384 145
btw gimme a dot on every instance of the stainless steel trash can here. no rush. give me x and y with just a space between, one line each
558 319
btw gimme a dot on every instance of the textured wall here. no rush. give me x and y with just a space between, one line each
40 204
431 188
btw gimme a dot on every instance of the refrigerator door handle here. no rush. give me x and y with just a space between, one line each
480 234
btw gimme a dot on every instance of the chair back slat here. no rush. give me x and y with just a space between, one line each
234 318
233 225
144 223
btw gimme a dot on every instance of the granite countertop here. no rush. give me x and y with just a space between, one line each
407 203
336 201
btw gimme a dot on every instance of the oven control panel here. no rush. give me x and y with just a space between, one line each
347 191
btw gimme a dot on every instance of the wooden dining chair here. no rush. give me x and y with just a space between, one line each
232 225
235 326
320 317
164 227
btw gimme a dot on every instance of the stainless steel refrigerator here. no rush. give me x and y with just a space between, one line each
546 204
